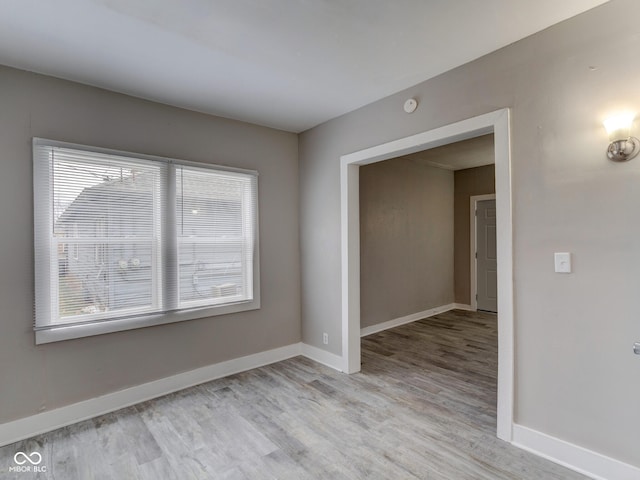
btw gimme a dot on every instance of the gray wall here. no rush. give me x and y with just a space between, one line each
406 239
33 379
576 377
468 182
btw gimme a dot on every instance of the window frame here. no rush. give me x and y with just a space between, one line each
46 260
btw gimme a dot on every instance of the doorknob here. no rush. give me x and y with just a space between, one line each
636 348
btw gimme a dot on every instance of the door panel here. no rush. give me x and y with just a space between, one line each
486 264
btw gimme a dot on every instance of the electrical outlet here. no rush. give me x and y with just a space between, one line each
325 338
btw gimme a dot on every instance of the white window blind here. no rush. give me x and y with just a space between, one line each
215 236
124 240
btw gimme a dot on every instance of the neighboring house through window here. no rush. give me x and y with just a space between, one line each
152 240
74 245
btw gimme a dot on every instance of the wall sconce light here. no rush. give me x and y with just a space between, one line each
623 146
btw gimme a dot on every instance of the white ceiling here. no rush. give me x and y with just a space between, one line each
474 152
288 64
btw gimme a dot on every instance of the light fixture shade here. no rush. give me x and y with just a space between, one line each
619 126
623 146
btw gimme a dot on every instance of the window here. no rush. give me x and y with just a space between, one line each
124 241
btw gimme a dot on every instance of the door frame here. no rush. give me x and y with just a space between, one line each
473 205
496 122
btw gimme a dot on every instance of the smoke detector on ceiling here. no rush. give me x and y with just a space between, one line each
410 105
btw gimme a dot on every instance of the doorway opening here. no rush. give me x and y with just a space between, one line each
415 233
494 122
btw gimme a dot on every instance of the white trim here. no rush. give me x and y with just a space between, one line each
20 429
473 225
350 264
463 306
396 322
579 459
68 332
496 122
123 153
322 356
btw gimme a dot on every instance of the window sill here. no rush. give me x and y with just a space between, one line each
69 332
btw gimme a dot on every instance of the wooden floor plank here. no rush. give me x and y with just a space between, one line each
423 407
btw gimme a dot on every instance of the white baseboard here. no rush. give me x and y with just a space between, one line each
463 306
322 356
20 429
579 459
396 322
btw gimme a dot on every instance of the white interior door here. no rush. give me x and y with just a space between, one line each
486 263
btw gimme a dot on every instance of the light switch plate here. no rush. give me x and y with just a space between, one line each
562 262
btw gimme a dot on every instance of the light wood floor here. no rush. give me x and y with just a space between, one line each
422 407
